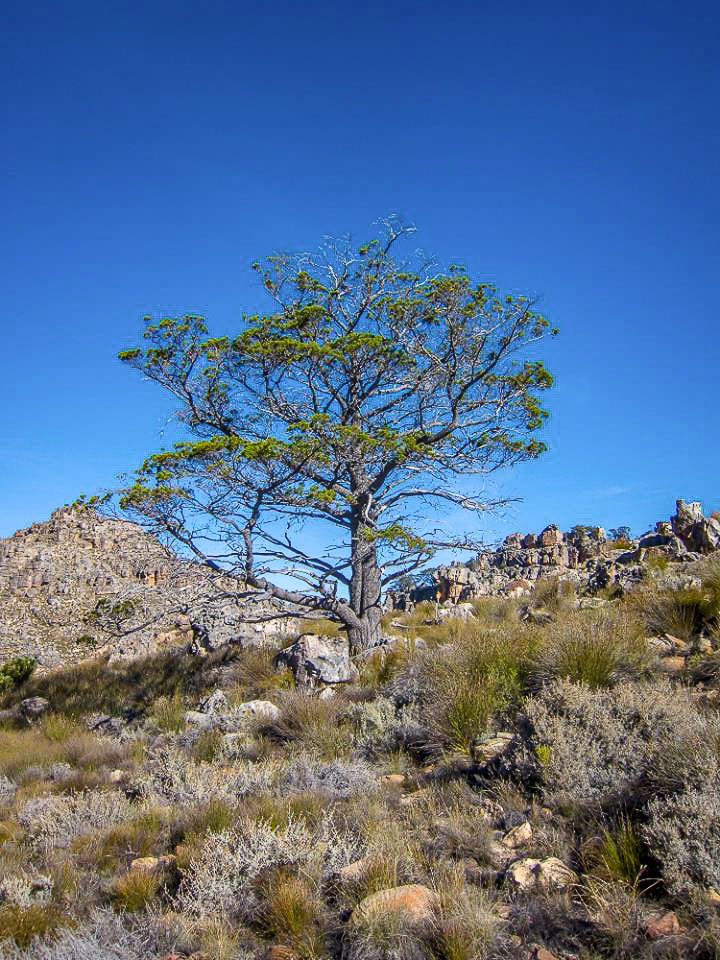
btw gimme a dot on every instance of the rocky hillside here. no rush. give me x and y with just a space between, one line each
484 785
79 582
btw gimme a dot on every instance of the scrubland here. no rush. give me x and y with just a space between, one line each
543 777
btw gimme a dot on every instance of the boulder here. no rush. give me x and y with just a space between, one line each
486 749
519 836
26 711
216 702
413 904
318 660
662 925
550 874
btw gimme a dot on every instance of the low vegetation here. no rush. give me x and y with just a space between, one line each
391 818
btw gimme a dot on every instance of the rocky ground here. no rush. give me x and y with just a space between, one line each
526 776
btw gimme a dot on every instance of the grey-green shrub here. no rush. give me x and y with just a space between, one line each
602 749
683 833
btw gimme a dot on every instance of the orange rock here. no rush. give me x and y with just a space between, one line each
413 903
662 925
279 951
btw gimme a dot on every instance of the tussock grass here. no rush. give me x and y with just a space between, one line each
620 853
321 726
254 676
293 915
594 647
481 675
134 891
66 743
23 924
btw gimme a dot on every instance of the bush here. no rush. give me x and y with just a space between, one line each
15 672
337 779
609 749
225 877
104 936
594 647
230 871
683 833
55 821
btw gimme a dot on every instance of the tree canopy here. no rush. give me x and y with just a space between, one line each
344 417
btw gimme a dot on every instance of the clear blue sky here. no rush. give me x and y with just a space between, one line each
152 151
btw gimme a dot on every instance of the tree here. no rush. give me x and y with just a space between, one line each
367 393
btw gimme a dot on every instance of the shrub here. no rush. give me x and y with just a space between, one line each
683 833
17 670
228 873
170 776
594 647
337 779
225 877
605 749
55 821
104 936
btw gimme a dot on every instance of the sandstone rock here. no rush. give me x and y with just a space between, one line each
261 710
550 874
490 748
393 779
353 873
61 580
540 953
216 703
519 836
318 660
279 951
413 904
673 664
662 925
165 867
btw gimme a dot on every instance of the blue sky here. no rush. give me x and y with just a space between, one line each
153 151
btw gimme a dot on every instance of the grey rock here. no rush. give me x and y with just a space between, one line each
316 660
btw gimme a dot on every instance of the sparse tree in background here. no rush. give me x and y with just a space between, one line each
318 435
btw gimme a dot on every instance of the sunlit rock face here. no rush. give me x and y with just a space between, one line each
80 583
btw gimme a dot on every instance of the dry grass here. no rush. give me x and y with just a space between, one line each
134 891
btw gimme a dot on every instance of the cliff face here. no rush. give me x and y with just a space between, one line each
80 581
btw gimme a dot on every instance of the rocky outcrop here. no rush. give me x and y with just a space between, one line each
583 556
80 584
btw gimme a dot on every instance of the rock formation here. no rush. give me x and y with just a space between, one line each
584 556
80 582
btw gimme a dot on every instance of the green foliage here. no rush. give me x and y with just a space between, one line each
15 672
481 675
594 647
621 852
